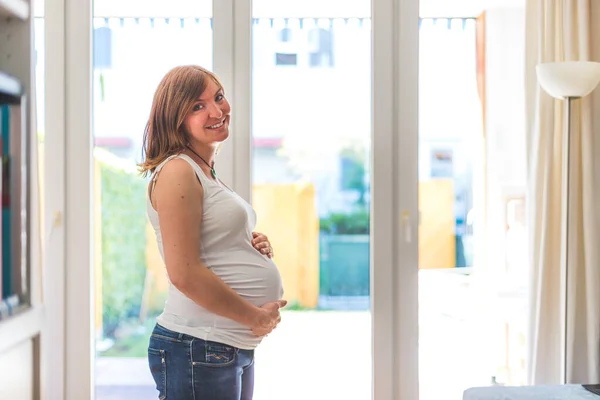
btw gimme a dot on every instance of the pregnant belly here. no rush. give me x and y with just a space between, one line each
253 276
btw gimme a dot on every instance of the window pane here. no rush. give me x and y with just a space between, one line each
471 318
311 135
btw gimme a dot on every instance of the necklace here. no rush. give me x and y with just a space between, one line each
212 168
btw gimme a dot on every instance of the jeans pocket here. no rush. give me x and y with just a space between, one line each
157 361
214 354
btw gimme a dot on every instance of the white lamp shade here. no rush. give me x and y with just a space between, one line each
569 78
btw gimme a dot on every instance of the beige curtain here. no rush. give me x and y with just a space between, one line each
559 30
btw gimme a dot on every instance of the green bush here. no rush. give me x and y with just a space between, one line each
123 196
352 223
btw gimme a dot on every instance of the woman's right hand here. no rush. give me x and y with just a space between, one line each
268 318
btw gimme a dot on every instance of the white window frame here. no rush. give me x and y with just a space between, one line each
69 339
53 336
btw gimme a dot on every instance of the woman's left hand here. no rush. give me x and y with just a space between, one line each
262 244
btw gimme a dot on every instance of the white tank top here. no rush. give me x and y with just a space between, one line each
227 225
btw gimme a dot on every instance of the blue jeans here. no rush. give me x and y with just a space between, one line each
188 368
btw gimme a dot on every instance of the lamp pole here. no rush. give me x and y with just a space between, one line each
565 239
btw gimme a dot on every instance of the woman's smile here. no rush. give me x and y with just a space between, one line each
218 125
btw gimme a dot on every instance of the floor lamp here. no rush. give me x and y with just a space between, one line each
569 80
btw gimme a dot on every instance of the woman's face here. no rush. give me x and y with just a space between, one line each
208 122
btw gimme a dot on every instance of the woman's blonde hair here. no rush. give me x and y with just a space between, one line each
174 98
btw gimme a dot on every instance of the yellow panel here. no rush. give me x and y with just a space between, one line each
437 243
287 215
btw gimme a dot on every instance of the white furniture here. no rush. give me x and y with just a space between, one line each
20 329
542 392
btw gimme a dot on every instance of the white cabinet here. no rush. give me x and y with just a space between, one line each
21 311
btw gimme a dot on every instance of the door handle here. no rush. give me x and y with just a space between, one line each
406 226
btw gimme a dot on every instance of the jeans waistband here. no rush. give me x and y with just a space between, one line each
162 331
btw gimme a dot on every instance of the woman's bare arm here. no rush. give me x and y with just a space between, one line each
177 197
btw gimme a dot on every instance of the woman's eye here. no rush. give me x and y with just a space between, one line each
197 107
220 97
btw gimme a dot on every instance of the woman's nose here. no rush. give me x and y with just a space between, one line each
215 111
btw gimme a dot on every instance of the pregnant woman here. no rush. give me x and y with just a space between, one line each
225 291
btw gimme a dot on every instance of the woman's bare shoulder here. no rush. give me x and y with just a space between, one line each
177 178
177 170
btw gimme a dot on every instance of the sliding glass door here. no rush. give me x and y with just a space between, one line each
472 247
450 134
310 175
